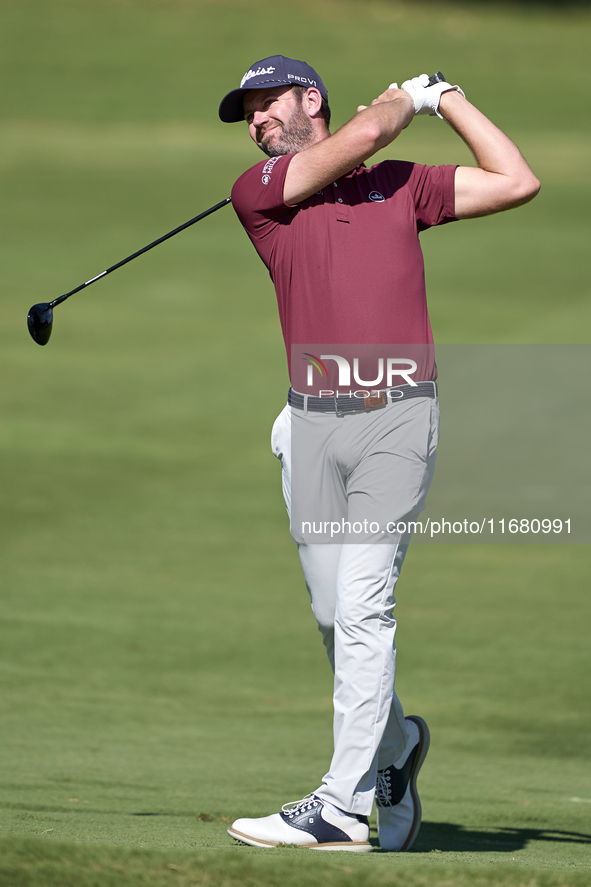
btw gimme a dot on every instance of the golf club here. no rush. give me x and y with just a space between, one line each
40 317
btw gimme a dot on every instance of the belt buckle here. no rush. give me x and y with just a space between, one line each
374 400
342 412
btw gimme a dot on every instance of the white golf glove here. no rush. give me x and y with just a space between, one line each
425 97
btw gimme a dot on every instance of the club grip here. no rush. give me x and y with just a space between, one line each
436 78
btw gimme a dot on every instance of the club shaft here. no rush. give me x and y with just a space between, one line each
144 249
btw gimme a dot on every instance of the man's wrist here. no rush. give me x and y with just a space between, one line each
406 101
401 102
406 95
449 99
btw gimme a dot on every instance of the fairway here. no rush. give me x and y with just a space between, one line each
161 671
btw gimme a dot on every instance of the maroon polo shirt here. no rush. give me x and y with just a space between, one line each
347 263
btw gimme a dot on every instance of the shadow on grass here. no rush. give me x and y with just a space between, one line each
505 839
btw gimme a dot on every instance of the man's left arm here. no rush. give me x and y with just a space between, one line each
503 178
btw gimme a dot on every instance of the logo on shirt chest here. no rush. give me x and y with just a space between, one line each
376 196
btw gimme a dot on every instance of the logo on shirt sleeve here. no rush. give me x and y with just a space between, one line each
268 169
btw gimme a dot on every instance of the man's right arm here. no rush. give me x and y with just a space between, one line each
372 128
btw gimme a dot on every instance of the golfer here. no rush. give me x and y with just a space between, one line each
341 242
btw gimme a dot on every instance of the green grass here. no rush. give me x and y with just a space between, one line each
160 669
66 865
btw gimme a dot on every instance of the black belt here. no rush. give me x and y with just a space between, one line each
343 403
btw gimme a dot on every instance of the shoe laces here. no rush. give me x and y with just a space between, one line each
384 788
292 808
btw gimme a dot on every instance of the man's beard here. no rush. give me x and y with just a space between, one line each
296 135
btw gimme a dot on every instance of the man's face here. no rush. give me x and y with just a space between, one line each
277 122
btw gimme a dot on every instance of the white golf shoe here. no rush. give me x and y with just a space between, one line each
307 823
397 799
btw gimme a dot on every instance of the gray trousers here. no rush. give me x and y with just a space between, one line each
369 470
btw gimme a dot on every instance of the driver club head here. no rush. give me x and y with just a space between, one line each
40 322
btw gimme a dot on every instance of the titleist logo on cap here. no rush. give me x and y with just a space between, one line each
258 73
